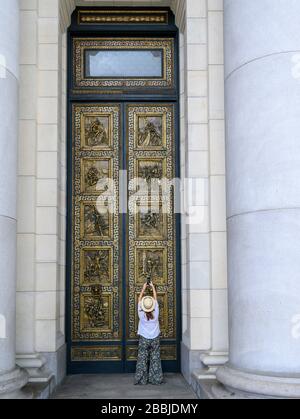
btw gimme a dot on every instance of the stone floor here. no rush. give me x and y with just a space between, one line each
120 386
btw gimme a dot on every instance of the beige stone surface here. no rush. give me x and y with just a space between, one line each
42 163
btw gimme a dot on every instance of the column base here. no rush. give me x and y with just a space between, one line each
35 365
211 361
190 361
245 384
12 381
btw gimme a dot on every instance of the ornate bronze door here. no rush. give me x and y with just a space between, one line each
96 281
151 219
118 238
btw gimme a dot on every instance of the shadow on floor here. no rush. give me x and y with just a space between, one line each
120 386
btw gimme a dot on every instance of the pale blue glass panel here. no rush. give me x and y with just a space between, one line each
122 64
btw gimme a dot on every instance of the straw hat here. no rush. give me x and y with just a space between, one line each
148 304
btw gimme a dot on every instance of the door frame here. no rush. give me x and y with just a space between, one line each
148 31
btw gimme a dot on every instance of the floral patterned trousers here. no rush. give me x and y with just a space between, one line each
148 367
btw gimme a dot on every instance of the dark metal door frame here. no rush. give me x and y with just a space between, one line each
171 97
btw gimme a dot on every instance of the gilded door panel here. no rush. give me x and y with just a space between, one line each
151 223
151 220
96 266
94 171
97 131
150 131
96 221
149 168
150 261
96 288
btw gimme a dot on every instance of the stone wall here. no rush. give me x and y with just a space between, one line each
204 270
41 194
42 180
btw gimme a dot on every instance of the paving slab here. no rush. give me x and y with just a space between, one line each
120 386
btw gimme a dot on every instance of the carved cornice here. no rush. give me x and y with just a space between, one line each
179 9
66 8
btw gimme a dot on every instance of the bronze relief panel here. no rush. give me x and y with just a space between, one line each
94 175
97 221
150 264
96 315
151 222
96 132
96 266
150 169
150 132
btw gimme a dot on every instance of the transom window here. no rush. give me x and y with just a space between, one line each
124 63
129 63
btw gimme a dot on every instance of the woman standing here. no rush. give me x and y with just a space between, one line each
149 344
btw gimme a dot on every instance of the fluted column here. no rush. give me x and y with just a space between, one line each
11 378
262 56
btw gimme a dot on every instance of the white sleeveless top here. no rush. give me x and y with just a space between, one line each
149 329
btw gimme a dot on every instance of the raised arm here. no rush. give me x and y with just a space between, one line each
153 290
142 293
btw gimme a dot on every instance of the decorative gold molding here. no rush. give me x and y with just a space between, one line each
86 17
90 92
96 353
167 352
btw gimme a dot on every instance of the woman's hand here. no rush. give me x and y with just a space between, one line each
142 292
153 290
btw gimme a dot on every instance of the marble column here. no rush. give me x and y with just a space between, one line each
11 378
262 60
